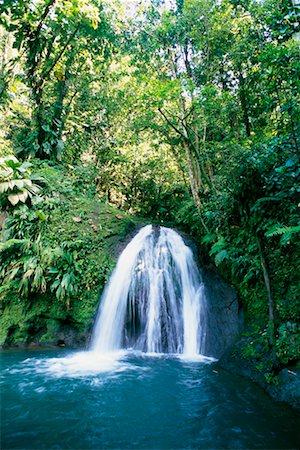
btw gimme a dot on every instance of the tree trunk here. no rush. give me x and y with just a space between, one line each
193 184
244 105
265 269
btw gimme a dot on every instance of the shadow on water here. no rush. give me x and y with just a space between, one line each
87 401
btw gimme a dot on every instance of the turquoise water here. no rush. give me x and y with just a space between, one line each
55 400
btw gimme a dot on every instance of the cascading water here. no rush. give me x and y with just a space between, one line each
154 300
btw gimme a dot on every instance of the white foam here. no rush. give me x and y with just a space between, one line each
197 358
83 364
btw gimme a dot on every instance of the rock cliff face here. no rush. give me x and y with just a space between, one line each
224 318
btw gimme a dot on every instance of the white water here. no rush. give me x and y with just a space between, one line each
154 298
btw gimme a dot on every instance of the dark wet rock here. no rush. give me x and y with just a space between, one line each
66 336
284 386
70 337
288 388
224 317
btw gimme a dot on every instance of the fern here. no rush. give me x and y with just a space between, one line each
285 232
209 238
219 251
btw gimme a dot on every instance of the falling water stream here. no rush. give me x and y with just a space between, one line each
153 300
145 383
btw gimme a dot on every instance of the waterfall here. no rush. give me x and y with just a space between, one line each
154 299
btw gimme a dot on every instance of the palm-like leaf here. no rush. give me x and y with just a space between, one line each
16 180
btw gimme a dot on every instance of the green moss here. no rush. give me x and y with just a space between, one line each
53 328
12 317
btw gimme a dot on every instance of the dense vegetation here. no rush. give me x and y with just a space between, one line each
186 115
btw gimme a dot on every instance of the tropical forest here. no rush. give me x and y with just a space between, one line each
150 164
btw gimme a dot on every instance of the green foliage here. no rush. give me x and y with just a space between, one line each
56 267
219 251
55 52
286 233
288 342
257 344
271 378
38 268
24 222
17 181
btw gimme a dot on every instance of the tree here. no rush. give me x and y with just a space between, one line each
55 42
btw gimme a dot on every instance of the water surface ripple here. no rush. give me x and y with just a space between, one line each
52 400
